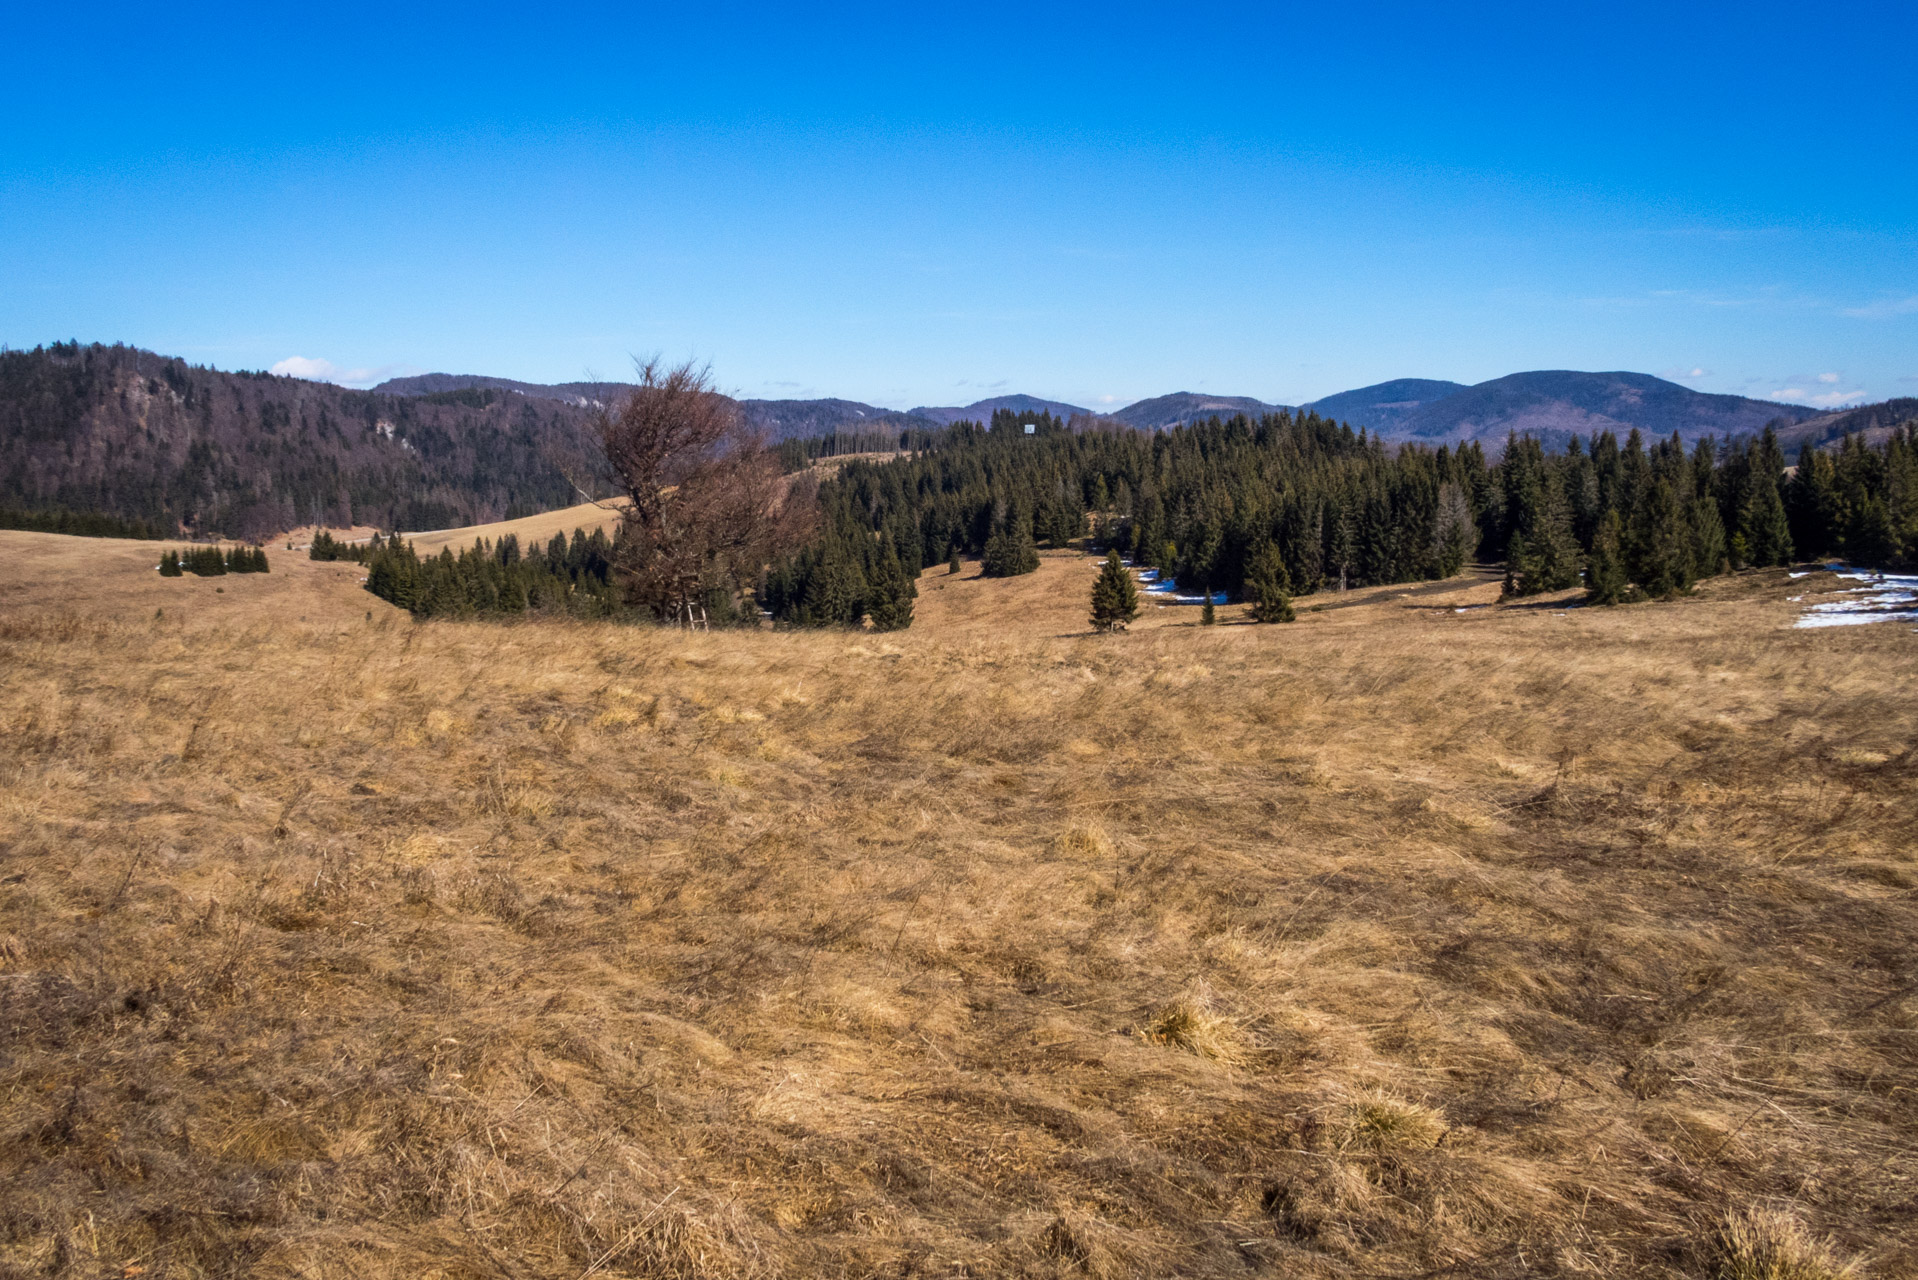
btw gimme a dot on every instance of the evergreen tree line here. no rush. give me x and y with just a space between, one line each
847 574
327 547
211 562
1631 521
801 452
81 524
1290 503
1198 503
574 577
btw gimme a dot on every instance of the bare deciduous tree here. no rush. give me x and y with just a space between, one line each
705 494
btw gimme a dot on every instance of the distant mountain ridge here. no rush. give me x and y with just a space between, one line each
1556 404
1384 405
1181 407
578 394
1872 421
794 419
779 419
1552 404
127 433
982 410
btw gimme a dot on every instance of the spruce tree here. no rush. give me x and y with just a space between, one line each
1521 566
1605 581
1344 547
1541 553
1763 527
1267 586
1708 537
1813 504
1115 598
1658 550
170 564
889 598
952 562
1869 540
1552 541
1454 535
1011 551
1207 615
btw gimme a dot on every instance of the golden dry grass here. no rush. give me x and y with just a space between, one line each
528 529
1395 942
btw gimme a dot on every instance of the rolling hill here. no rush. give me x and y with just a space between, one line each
579 394
779 419
1550 404
1873 421
1182 407
982 410
1556 404
1383 406
128 433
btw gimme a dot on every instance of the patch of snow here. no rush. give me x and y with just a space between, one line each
1884 597
1165 590
1809 622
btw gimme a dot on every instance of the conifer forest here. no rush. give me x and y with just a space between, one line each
1629 520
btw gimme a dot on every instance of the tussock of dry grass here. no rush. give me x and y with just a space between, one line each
1192 1025
1377 1121
1395 942
1767 1244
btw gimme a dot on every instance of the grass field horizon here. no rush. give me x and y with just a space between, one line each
1424 936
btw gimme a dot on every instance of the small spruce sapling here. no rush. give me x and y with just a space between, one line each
1268 587
1115 598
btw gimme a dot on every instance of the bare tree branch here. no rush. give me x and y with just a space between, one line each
706 495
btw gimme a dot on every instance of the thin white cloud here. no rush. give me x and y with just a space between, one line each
1679 373
1822 400
1816 390
305 367
317 369
1883 309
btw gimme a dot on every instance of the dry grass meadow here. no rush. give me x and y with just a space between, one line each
1398 942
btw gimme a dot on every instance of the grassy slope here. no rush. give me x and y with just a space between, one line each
1398 941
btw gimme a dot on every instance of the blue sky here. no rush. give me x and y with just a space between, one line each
1094 204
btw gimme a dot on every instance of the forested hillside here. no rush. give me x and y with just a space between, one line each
1382 406
1344 507
1873 422
1182 407
779 420
127 434
1557 404
982 410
